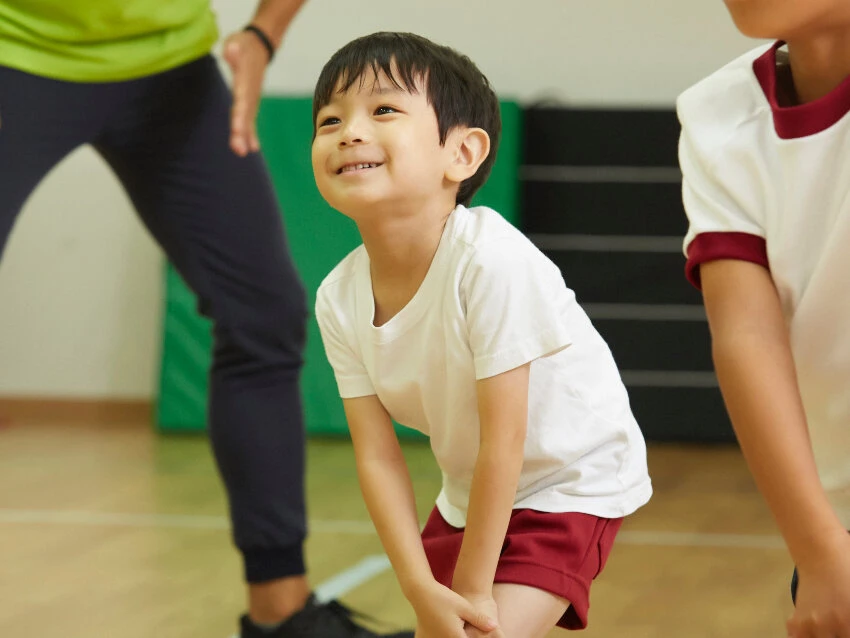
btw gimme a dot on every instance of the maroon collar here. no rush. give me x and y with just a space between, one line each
805 119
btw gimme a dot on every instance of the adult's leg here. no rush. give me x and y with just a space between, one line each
41 121
216 217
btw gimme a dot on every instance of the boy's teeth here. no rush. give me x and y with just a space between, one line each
353 167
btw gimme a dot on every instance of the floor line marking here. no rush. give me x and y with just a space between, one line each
351 578
356 528
179 521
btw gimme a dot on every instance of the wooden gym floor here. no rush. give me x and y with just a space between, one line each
110 531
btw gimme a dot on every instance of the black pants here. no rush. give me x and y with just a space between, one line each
217 218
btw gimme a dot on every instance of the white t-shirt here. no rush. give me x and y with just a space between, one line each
771 185
491 302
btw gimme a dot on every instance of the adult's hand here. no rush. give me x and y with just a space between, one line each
247 58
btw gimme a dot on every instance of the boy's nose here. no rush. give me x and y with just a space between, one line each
353 132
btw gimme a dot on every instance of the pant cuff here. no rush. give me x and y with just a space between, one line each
263 565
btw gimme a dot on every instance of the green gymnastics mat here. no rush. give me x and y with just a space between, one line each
318 237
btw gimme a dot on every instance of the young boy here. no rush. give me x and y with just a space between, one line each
764 154
448 320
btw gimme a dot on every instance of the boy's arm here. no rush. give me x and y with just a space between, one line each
503 416
754 364
388 492
387 489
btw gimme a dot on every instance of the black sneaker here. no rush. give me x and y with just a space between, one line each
317 620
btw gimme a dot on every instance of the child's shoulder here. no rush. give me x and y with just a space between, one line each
490 242
717 106
481 227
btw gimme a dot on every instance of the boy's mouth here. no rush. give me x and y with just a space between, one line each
350 168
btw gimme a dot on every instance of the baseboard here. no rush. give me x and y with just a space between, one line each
89 411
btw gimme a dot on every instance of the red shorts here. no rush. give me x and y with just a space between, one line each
559 553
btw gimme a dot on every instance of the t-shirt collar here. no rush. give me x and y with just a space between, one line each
805 119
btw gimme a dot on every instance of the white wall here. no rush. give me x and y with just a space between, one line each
80 294
581 51
80 281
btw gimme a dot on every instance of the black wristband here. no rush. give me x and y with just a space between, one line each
257 31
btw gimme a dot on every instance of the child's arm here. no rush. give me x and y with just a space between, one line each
503 416
752 356
387 488
754 364
388 492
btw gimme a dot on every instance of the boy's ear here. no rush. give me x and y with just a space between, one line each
471 147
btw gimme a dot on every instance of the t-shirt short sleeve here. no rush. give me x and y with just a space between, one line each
339 339
516 306
721 198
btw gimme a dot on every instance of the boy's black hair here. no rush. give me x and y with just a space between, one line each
460 94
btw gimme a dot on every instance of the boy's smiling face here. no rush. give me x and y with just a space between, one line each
378 144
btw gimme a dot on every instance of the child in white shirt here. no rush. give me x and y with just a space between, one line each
766 167
448 320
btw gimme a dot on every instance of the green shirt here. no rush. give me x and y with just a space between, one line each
103 40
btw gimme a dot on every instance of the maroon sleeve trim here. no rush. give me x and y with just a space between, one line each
723 245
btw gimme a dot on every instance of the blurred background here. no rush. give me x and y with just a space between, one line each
103 357
83 284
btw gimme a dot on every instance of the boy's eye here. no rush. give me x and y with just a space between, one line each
384 110
329 121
